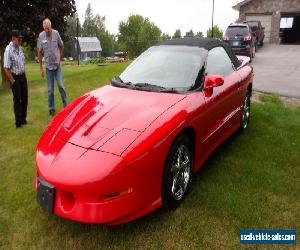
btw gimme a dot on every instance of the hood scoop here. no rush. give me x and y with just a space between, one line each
83 112
107 111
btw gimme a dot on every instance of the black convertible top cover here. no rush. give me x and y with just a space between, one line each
206 43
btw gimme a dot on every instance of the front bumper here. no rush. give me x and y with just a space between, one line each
93 186
91 208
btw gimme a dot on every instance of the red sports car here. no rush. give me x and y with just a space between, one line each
125 149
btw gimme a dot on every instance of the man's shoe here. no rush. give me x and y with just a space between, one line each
51 112
24 122
18 125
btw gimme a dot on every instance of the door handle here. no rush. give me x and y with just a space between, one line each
238 84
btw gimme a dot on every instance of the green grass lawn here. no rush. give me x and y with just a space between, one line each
251 182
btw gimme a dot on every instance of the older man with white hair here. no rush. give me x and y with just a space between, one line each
50 45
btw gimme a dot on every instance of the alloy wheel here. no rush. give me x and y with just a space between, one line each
181 171
246 112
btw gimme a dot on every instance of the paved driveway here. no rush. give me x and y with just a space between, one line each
277 70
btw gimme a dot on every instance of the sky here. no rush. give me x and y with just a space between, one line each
168 15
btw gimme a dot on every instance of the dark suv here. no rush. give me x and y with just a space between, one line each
241 40
258 31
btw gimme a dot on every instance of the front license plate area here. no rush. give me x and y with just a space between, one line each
236 43
45 195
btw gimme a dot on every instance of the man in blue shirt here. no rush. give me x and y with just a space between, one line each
14 67
50 45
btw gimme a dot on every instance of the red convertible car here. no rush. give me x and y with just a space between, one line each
125 149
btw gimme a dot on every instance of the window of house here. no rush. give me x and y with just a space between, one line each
286 22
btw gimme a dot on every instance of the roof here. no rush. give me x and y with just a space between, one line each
206 43
89 44
238 25
239 5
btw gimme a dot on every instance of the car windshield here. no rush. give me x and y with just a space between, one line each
237 31
163 68
252 24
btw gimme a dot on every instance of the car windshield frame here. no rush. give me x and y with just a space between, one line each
165 63
253 23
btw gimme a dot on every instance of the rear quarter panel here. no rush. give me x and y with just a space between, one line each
246 73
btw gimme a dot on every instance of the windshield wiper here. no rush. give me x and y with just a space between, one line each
148 85
154 87
117 81
170 90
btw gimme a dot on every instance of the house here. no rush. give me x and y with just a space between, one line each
89 47
281 18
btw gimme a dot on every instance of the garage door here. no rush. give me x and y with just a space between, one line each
265 22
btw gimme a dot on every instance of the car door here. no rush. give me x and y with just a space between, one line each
222 107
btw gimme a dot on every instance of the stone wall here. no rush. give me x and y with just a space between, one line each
271 7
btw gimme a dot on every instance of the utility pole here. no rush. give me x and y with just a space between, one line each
77 42
212 19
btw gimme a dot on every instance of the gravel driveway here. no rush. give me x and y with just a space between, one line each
277 70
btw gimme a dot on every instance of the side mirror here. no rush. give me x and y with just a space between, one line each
211 82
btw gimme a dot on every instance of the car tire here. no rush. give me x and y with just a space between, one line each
177 172
262 43
245 117
251 56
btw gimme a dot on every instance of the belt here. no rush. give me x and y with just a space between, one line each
19 75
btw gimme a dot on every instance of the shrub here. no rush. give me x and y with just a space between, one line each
97 60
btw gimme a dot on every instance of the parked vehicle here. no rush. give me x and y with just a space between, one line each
121 54
113 59
125 149
241 40
118 56
258 31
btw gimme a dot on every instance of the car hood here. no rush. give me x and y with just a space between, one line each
111 118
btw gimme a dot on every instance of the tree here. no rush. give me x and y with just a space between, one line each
106 39
27 16
218 33
99 23
89 28
189 33
95 27
137 34
199 34
107 43
71 33
165 37
177 34
30 53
